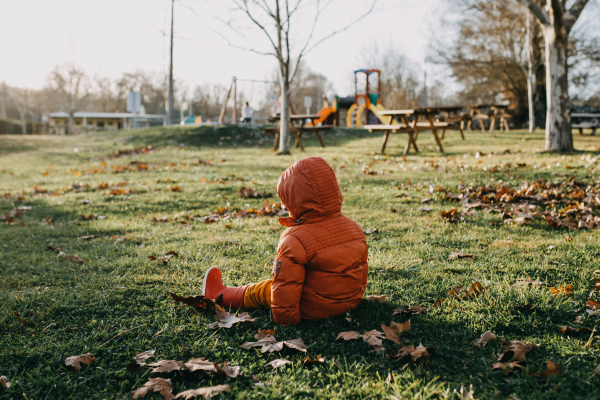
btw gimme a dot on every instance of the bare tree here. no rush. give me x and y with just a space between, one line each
275 19
69 83
556 22
22 99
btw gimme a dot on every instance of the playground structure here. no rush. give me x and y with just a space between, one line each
360 109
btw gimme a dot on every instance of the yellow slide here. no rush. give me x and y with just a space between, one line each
357 115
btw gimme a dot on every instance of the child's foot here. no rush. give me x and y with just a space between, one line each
215 290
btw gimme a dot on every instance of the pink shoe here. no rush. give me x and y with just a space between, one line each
213 289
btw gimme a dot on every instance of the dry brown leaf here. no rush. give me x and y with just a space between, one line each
248 193
161 385
594 307
507 367
201 364
450 215
141 358
414 310
228 370
195 301
4 382
417 354
515 350
552 368
351 335
485 338
206 392
456 291
596 275
561 291
297 344
278 363
264 333
572 331
373 338
75 361
476 288
377 298
460 256
271 347
393 331
88 237
309 361
226 320
166 366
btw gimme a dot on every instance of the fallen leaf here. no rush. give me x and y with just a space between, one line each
371 231
226 320
75 361
527 282
515 350
417 354
278 363
351 335
248 193
271 347
393 331
594 307
485 338
414 310
460 256
228 370
265 342
264 333
309 361
166 366
373 338
297 344
195 301
377 298
23 320
570 330
56 249
201 364
507 367
597 279
4 382
552 368
88 237
561 291
450 215
141 358
161 385
206 392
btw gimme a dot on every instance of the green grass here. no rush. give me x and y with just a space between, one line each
115 304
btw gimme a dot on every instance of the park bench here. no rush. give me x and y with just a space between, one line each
581 125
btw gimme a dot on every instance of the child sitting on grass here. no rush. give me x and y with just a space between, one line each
321 266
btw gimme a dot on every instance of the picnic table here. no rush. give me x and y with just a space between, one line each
593 122
422 120
451 115
499 112
297 126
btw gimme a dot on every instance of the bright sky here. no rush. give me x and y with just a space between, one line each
110 37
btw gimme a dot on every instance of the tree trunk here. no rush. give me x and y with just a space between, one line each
70 130
558 117
284 133
530 74
23 125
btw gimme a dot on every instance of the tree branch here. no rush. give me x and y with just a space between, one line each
539 13
573 14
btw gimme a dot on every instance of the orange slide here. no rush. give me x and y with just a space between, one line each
323 114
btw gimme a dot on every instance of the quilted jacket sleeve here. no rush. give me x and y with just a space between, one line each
288 280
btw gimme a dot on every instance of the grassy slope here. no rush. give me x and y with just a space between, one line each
82 308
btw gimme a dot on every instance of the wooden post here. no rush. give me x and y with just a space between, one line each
224 109
235 118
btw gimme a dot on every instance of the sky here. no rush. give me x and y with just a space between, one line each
110 37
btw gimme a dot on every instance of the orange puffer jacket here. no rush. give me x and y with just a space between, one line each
321 266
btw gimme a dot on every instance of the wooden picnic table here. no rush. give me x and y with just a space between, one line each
451 114
593 122
297 126
412 128
476 113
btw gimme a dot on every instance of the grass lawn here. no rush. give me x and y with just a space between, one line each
115 305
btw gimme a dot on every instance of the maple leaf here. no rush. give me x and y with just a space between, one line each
377 298
393 331
161 385
228 370
166 366
278 363
507 367
4 382
88 237
373 338
485 338
264 333
141 358
552 368
266 342
309 361
351 335
75 361
594 307
201 364
460 256
297 344
195 301
416 354
414 310
226 320
515 350
561 291
206 392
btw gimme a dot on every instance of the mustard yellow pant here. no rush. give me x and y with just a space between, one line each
258 295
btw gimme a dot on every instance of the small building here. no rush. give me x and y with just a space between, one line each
84 121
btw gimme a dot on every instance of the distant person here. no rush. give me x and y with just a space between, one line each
247 113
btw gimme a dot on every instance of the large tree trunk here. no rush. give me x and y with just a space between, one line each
558 117
530 74
284 133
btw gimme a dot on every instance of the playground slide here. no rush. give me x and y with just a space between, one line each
354 116
323 114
